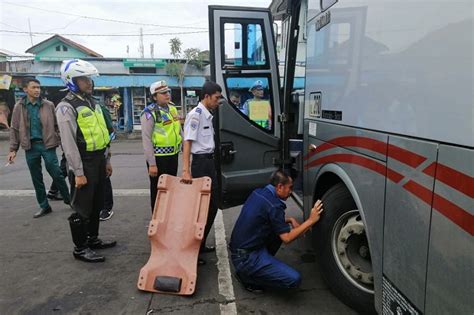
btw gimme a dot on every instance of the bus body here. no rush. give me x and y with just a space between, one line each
386 138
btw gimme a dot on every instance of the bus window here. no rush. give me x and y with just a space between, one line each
251 97
255 45
233 44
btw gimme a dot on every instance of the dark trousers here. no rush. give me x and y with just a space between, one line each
33 159
166 165
89 199
260 267
201 167
63 167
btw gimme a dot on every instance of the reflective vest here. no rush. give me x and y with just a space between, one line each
166 131
93 127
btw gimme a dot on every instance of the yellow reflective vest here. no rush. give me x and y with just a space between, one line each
93 127
166 132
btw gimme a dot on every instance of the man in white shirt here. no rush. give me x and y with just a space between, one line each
199 141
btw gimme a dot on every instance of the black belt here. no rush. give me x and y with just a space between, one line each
207 156
242 251
36 141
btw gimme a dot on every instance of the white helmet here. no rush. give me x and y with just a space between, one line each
74 68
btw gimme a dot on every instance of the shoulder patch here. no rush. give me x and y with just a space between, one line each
148 115
64 109
194 124
198 110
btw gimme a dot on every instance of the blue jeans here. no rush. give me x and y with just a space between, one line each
260 267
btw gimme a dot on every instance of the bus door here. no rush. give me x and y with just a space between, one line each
244 64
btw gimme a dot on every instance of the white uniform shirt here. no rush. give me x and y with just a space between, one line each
198 128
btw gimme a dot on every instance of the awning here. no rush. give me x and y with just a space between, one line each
126 81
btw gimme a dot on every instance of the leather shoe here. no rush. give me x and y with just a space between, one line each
207 249
88 255
97 243
42 212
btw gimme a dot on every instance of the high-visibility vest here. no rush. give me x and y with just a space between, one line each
93 127
166 132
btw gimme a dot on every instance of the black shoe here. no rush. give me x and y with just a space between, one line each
97 243
207 249
201 262
42 212
54 195
88 255
105 214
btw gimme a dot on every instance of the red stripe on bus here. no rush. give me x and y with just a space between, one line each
358 160
454 213
407 157
449 176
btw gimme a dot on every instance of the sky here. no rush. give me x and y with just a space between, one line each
159 18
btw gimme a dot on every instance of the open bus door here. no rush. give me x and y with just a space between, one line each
244 64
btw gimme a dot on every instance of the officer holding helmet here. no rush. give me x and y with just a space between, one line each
161 136
84 138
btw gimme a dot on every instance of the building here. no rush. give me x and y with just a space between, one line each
123 84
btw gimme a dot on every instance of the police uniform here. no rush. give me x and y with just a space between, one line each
161 137
255 240
84 138
199 129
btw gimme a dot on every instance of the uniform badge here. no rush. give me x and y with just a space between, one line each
194 124
148 115
198 110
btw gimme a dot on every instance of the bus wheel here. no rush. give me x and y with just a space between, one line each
343 250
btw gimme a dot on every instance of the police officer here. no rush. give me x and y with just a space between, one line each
259 232
161 136
84 138
258 92
199 141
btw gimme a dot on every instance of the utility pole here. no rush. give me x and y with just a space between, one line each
142 49
152 50
31 35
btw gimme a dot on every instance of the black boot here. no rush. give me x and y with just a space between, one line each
79 237
97 243
42 213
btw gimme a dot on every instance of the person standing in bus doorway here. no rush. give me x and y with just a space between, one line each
234 99
85 138
199 142
259 232
34 128
257 108
161 136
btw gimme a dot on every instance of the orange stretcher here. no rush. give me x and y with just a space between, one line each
175 232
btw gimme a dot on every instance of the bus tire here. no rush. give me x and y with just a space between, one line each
338 204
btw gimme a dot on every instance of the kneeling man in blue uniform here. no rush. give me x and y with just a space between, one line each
259 232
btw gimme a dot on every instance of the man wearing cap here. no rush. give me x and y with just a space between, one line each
161 136
199 142
84 138
257 108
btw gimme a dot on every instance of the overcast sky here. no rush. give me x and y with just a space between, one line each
68 17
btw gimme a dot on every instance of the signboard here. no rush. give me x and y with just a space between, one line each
259 110
5 81
51 58
149 63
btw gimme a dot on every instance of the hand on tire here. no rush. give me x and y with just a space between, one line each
316 211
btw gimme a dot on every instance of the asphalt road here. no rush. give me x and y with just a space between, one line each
40 276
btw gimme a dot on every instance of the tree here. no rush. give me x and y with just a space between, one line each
178 69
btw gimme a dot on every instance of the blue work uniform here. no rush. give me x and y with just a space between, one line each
255 240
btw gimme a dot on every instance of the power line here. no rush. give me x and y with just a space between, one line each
102 35
103 19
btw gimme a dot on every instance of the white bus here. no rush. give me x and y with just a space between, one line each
383 134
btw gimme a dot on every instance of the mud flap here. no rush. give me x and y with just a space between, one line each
175 232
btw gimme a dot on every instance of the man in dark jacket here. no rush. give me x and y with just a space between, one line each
34 128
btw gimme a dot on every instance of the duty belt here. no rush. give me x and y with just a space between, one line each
207 156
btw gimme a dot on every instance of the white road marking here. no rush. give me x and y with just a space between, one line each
224 278
117 192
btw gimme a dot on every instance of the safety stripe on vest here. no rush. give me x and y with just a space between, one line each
164 150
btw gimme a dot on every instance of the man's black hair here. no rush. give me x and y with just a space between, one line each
234 93
280 177
210 88
26 81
